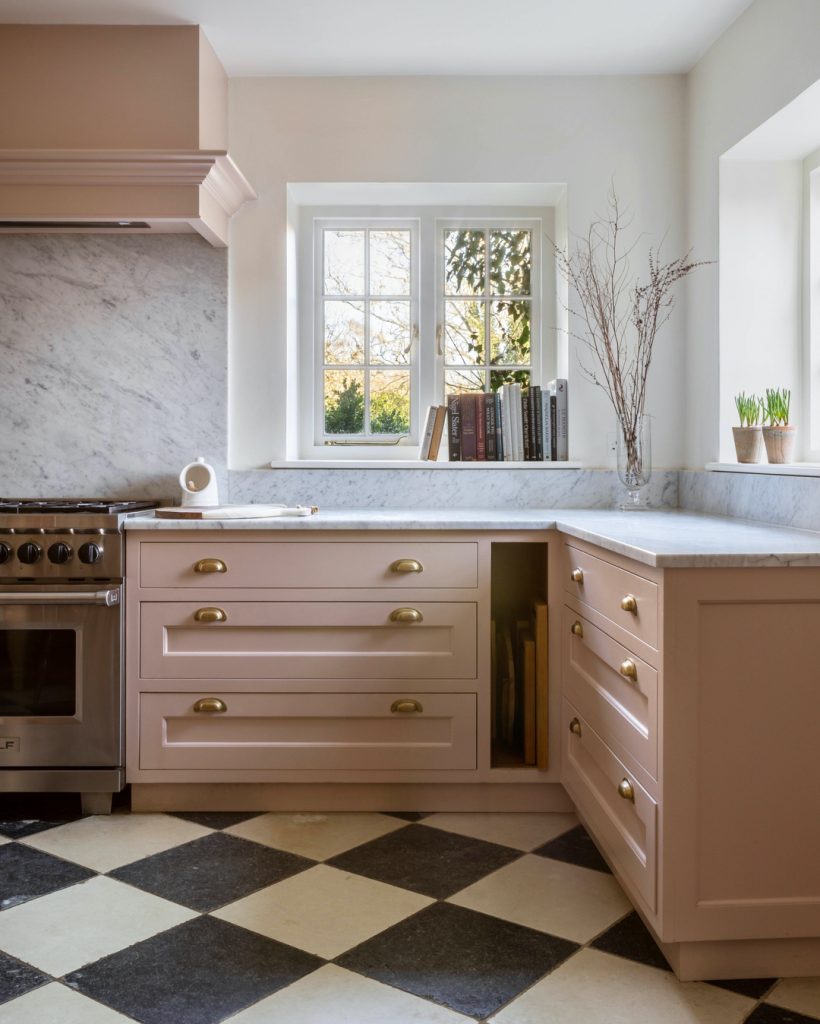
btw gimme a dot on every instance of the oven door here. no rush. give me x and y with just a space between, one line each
60 676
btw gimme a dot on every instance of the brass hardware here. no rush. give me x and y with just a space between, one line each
210 615
406 615
406 565
210 565
577 575
577 629
210 705
629 669
406 707
625 790
575 727
629 604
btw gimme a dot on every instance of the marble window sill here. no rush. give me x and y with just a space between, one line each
766 468
418 464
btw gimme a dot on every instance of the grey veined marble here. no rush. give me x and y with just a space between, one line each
786 500
114 362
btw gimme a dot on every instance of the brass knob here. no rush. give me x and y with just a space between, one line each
406 615
406 707
406 565
629 669
625 790
629 603
575 727
210 615
210 706
577 629
577 575
210 565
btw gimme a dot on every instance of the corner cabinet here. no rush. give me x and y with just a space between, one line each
690 750
355 664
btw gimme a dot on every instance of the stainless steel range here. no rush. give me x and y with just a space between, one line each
61 638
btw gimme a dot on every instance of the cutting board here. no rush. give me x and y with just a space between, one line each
234 511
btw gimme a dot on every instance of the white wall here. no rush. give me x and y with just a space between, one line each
582 131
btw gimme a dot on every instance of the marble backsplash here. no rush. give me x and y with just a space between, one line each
114 362
782 500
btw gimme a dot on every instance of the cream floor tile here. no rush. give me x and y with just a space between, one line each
104 842
596 988
332 995
316 835
562 899
56 1004
520 831
799 994
73 927
323 910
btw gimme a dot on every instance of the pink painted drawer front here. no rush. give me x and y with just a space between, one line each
307 639
308 731
626 830
300 565
613 689
604 586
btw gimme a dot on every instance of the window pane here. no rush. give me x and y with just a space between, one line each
390 332
464 332
510 262
510 333
389 262
344 401
344 262
464 267
457 381
499 377
344 332
389 402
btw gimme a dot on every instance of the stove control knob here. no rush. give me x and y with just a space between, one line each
90 553
59 553
29 553
5 553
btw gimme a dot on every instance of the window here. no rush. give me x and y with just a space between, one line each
401 306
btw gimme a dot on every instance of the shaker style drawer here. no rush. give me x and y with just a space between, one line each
307 639
308 731
220 565
613 689
620 813
628 600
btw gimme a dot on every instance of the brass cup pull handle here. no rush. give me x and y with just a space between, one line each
210 615
406 707
210 706
577 575
406 615
210 565
575 727
406 565
577 629
629 669
625 790
629 603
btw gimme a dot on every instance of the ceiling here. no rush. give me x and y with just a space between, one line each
423 37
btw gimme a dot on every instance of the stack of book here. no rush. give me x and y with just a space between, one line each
511 425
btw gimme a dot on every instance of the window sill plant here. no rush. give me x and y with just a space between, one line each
779 435
749 435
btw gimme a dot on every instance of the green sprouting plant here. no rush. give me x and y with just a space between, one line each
750 409
777 405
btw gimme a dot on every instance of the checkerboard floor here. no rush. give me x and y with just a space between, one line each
335 919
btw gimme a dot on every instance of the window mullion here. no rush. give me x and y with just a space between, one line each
367 427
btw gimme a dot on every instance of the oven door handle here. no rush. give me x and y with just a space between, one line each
106 597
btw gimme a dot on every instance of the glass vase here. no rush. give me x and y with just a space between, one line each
634 450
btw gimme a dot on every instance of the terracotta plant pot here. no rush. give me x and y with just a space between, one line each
780 443
748 443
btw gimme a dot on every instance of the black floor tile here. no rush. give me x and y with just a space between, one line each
468 961
197 973
17 978
426 860
575 847
216 819
754 988
767 1014
26 873
25 814
630 938
408 815
211 871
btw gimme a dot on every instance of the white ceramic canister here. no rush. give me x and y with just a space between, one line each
198 483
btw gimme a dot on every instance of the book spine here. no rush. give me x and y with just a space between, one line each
499 431
454 432
562 420
424 452
469 443
525 424
506 423
492 446
438 432
481 426
553 428
546 425
538 430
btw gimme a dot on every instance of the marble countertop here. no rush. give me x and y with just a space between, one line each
669 539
